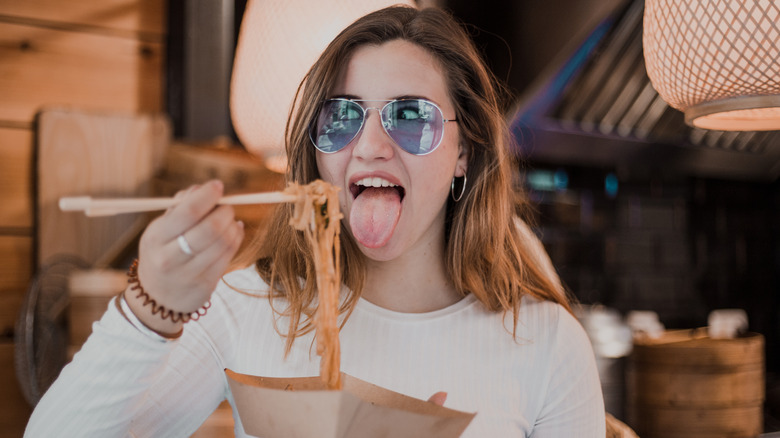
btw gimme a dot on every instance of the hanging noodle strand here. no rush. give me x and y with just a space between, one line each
317 215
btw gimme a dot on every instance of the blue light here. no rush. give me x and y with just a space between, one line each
611 185
561 180
541 180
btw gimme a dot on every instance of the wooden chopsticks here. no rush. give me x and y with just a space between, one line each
112 206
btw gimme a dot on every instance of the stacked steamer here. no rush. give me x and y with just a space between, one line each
688 384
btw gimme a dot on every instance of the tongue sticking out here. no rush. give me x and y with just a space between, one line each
374 214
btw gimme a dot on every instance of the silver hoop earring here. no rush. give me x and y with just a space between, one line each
462 189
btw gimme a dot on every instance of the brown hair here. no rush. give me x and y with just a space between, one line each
486 254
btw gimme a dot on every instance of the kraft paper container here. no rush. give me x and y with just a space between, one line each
303 408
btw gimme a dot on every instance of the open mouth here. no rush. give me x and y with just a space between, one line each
361 185
375 210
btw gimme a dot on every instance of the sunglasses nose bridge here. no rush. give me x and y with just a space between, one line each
380 112
375 141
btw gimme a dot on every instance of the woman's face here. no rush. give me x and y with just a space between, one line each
388 222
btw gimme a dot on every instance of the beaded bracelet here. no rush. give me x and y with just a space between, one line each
184 317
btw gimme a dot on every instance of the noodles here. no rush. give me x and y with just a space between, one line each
317 214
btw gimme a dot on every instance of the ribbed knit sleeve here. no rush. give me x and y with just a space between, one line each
114 384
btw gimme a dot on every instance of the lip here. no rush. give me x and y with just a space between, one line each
375 174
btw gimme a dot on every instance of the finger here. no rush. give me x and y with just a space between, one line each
152 231
188 285
181 193
154 251
209 229
439 398
211 264
166 252
184 282
219 269
192 208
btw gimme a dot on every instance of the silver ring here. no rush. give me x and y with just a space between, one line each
184 245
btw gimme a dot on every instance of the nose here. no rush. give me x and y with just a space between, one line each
373 142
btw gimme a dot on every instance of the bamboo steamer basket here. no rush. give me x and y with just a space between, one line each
686 384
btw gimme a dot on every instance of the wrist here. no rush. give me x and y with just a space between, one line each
166 328
155 308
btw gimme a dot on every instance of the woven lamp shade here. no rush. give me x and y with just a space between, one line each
277 44
718 61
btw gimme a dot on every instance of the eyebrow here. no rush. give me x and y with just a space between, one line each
402 97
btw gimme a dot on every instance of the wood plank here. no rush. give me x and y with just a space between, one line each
219 424
93 154
136 16
45 67
15 274
16 146
14 410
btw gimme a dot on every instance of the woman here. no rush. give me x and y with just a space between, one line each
446 290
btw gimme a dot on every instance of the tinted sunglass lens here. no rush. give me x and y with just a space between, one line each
415 125
337 124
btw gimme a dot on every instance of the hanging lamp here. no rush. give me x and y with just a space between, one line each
718 61
278 42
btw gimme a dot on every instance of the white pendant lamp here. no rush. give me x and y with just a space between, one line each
277 44
718 61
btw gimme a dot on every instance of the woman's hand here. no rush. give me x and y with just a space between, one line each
179 281
438 399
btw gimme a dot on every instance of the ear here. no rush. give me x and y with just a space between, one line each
462 165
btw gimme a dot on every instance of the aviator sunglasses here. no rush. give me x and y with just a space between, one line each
415 125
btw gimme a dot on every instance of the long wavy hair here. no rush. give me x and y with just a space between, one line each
487 253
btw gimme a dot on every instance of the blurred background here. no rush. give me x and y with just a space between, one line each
638 210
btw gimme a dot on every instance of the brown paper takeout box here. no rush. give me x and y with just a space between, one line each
303 407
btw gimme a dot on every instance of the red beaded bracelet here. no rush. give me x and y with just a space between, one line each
184 317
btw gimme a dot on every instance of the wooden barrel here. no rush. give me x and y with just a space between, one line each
686 384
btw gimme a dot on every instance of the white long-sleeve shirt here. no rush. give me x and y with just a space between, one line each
124 382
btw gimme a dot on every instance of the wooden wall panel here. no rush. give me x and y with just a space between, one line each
16 150
106 56
44 67
14 410
15 274
96 154
134 16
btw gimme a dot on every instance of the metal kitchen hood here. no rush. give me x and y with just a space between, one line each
596 106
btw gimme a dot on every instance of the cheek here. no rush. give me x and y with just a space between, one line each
327 166
436 176
332 170
445 168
